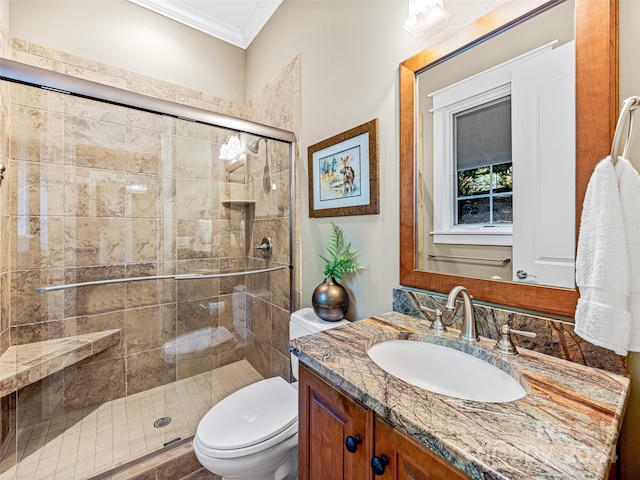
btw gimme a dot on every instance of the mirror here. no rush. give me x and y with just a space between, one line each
495 147
596 113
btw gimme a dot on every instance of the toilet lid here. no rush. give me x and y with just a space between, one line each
251 415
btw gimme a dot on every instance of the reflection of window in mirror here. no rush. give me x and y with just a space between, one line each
482 162
552 189
472 153
497 137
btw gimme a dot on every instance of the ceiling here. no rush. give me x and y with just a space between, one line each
238 22
234 21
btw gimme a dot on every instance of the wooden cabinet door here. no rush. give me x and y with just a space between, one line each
408 460
327 417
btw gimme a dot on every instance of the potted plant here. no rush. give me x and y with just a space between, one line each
330 300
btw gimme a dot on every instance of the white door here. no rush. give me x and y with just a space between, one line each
543 148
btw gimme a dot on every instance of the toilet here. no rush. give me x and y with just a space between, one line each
253 433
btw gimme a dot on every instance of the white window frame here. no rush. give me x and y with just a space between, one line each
476 90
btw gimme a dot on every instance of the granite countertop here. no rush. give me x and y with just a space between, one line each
566 427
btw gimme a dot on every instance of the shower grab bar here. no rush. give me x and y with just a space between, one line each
505 259
186 276
197 276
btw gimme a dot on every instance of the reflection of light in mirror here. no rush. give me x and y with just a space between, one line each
462 14
426 17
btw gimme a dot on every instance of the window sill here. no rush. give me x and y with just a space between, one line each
501 237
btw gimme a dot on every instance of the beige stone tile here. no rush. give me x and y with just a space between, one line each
152 292
38 401
98 299
143 196
147 370
145 242
259 356
194 156
149 328
93 383
193 199
95 144
91 192
197 288
32 307
94 241
37 135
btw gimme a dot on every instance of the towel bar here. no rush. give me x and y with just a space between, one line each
505 259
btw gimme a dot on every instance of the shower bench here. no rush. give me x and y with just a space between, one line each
22 365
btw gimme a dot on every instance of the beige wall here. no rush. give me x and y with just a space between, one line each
124 35
630 85
350 54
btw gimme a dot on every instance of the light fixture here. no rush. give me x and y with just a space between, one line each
426 17
231 148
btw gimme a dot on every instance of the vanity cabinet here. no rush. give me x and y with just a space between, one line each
340 439
335 434
407 459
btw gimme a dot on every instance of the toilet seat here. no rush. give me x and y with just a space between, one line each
250 420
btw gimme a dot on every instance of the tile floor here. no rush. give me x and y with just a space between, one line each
84 443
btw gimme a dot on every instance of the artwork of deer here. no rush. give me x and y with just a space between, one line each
348 176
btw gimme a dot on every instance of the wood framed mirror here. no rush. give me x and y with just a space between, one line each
596 43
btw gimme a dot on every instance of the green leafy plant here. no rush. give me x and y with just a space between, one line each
340 259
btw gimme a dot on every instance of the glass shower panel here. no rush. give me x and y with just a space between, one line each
137 301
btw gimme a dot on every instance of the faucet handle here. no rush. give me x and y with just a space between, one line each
437 325
505 344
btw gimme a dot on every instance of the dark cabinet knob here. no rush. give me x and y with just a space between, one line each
378 464
352 443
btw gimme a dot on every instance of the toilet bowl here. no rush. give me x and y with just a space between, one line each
253 433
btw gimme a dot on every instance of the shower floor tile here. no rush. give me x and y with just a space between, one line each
83 443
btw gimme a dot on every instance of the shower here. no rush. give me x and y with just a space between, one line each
135 272
254 146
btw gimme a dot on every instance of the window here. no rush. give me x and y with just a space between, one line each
484 182
472 160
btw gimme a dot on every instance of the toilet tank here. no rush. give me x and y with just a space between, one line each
305 322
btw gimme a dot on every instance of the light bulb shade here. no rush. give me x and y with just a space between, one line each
231 148
426 17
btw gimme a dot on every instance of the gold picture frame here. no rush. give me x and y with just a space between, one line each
344 173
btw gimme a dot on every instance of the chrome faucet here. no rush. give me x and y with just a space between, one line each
469 331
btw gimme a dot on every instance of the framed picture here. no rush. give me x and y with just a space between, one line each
343 173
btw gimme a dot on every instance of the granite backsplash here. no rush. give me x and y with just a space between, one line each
555 337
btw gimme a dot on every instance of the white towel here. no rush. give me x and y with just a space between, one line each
602 315
629 186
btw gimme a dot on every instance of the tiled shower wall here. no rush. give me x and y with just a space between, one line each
104 192
276 104
5 245
5 48
104 181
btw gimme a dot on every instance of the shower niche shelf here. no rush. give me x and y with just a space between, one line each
23 365
238 203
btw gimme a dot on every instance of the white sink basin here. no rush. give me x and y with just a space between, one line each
445 371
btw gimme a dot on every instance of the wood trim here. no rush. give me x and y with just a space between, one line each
373 207
596 114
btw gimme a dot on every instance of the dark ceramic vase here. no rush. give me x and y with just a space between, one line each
330 300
